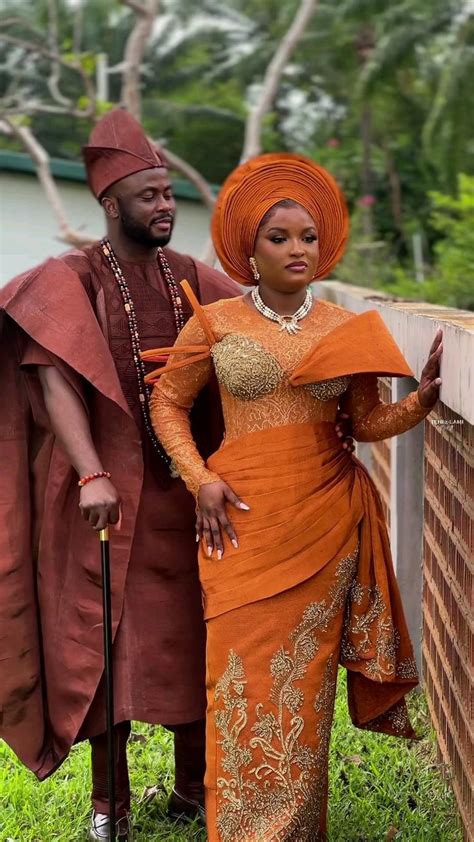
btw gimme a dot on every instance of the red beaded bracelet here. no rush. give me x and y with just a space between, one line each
90 477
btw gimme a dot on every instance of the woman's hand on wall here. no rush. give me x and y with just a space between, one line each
430 381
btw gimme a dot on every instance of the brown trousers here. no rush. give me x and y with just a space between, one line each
189 755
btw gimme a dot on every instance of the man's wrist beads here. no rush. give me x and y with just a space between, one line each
89 477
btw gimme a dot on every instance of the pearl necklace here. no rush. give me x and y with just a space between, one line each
288 323
143 390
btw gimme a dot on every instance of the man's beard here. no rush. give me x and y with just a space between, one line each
141 234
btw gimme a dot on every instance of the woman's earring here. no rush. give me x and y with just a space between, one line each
253 266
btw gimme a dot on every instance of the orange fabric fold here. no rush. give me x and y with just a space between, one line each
199 312
194 354
191 353
309 502
372 350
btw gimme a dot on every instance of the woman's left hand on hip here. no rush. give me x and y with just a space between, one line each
344 431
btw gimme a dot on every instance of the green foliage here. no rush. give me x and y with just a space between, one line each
453 219
379 92
378 785
449 281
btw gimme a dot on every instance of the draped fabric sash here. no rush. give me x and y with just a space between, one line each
309 502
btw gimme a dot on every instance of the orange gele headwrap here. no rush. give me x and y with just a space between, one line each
254 187
117 147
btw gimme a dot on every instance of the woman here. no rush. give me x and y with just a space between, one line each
300 577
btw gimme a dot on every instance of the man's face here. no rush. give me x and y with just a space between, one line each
143 204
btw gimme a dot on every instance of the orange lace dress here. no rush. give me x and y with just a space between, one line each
311 583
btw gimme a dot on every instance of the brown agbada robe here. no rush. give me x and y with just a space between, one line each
69 312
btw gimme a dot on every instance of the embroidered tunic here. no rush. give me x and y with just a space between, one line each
253 360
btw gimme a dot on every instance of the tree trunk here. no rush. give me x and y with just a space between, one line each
192 175
365 44
41 160
366 175
133 55
286 47
395 191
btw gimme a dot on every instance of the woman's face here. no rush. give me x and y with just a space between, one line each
287 250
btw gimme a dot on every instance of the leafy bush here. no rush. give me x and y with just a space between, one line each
453 219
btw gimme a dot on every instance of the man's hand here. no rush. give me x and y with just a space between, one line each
99 503
344 431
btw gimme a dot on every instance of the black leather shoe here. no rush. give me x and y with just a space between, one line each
185 809
100 827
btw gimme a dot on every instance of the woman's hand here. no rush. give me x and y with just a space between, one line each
344 431
430 381
212 516
99 503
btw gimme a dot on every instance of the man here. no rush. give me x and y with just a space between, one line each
72 383
78 324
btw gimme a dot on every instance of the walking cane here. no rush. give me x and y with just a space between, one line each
109 675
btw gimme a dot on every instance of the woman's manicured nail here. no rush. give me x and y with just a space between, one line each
219 555
235 543
244 507
197 539
209 551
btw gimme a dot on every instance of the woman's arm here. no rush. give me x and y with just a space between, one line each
373 420
171 400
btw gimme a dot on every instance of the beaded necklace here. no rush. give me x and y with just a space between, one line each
288 323
143 390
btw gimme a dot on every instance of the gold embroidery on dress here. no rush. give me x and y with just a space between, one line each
396 718
270 783
278 406
247 371
362 625
372 631
326 390
407 669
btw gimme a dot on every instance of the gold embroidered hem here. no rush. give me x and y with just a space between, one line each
271 709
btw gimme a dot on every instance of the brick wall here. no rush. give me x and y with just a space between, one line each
429 505
448 578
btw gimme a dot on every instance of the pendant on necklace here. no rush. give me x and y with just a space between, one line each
289 324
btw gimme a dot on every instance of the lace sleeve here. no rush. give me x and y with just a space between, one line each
373 420
172 398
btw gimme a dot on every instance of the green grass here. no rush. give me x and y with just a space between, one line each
381 789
